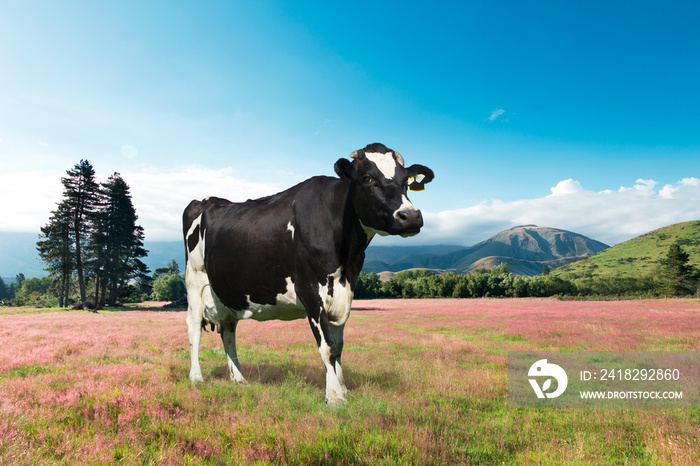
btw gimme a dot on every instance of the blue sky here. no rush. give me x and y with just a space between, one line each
575 115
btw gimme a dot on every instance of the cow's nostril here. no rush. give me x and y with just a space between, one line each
409 218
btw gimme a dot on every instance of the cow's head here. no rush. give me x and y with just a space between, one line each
381 184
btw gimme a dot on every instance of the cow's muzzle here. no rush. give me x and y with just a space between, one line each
409 222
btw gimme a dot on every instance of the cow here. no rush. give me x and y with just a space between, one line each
296 254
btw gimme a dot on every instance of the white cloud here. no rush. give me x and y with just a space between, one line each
641 187
160 198
564 187
496 113
608 216
687 187
27 198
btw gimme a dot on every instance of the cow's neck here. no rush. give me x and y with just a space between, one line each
355 240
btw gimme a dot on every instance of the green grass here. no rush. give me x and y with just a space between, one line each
641 255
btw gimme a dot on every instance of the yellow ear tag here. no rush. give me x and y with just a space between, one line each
417 180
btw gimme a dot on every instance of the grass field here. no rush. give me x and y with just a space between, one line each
427 381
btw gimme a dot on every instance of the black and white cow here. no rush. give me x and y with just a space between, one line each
295 254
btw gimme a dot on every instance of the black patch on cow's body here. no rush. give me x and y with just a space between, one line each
330 285
193 239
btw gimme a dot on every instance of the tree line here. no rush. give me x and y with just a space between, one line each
92 241
166 284
675 277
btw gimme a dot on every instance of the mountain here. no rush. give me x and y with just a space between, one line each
526 249
160 253
18 254
396 258
641 255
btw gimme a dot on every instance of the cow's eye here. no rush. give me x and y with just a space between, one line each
367 179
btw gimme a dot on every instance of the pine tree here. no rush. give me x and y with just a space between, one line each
3 289
677 274
94 234
117 241
81 195
57 250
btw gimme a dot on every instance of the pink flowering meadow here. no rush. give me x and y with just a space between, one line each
427 381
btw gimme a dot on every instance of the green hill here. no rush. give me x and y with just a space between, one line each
641 255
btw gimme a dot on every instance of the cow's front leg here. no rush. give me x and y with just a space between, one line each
338 337
228 337
335 389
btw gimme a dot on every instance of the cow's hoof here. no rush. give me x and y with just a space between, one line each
239 381
196 378
336 400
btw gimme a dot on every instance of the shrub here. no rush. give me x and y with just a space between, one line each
169 287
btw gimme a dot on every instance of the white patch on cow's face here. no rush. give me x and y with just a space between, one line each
405 206
384 162
290 228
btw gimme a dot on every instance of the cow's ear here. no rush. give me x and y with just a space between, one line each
418 176
345 170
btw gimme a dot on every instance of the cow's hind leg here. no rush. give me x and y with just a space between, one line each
228 337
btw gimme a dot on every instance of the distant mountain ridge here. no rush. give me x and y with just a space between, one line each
526 249
18 254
